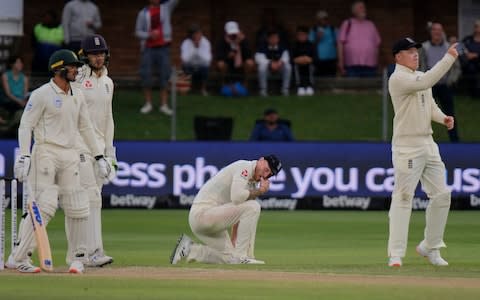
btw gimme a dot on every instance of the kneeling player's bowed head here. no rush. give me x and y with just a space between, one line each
274 163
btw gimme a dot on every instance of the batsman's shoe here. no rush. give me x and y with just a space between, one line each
99 259
27 267
181 250
76 267
433 255
394 261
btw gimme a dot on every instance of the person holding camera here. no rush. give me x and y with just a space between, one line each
273 58
234 57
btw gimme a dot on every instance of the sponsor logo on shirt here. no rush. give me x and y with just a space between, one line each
57 103
29 106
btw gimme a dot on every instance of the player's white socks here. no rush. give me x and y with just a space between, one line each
399 214
26 238
76 230
436 219
94 229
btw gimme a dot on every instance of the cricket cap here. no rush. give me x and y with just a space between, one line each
405 44
273 163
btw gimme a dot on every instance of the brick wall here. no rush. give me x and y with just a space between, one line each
393 19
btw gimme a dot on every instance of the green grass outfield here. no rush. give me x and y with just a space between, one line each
309 255
323 117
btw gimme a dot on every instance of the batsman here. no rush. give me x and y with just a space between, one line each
415 155
228 200
97 88
55 113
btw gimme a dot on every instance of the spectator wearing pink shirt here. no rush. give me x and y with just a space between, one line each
358 44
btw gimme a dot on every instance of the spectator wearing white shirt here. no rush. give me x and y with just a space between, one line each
196 55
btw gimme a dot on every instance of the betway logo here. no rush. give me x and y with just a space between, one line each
130 200
474 201
275 203
346 202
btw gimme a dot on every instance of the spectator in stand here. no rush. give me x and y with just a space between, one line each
13 97
196 55
358 44
303 54
154 29
273 58
272 128
80 18
234 57
270 22
15 85
433 51
471 60
324 37
47 38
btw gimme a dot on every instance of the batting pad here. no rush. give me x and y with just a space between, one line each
94 227
76 230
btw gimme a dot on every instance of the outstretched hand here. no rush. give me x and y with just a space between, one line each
453 50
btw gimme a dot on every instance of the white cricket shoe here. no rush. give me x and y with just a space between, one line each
181 250
76 267
99 259
166 110
433 255
146 108
394 261
309 91
26 267
301 91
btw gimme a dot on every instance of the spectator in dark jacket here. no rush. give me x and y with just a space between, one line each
303 54
271 129
233 55
273 58
471 60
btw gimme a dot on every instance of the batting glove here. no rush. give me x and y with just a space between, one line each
21 167
103 168
114 167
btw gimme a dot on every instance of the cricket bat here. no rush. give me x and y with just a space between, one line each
43 245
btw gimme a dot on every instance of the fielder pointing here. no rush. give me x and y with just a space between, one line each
97 87
55 113
228 200
415 155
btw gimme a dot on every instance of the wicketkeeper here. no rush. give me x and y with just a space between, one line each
228 200
56 112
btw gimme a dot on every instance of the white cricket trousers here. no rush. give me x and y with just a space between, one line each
54 181
211 225
411 166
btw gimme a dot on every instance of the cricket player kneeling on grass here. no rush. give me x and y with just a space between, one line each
227 201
